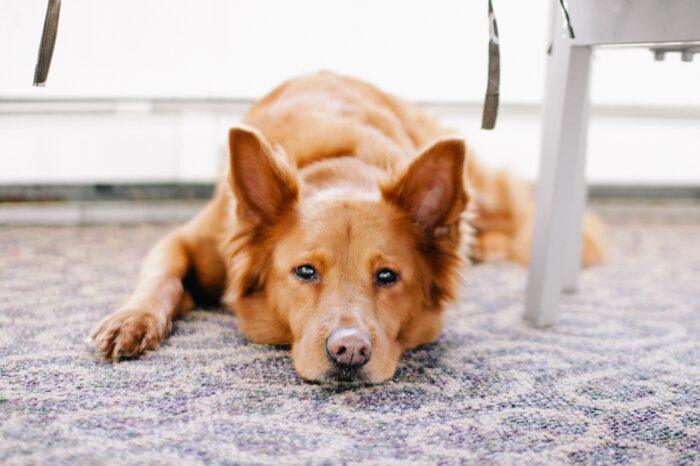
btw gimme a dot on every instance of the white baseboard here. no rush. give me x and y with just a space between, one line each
182 140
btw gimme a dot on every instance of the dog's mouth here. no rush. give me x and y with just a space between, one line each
345 374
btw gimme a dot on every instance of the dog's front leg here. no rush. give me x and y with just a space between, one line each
146 318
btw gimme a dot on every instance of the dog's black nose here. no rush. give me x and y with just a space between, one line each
349 347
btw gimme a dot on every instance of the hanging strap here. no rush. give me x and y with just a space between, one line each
48 40
488 120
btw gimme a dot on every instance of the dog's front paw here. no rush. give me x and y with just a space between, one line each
127 333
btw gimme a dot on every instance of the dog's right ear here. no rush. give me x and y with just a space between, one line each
262 181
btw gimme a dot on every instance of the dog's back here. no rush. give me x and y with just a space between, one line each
325 115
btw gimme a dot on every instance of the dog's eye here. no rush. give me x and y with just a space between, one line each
386 277
305 272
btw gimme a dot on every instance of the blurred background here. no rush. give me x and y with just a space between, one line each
140 93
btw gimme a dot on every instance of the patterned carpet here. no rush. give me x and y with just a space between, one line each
617 381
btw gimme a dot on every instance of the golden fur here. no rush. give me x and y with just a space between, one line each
332 172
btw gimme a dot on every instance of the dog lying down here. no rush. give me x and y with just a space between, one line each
341 228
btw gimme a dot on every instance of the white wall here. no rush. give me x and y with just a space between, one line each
217 49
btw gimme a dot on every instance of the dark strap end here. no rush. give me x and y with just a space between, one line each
488 120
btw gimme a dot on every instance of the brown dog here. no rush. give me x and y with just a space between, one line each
341 228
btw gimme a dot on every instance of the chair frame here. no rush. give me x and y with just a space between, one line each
561 190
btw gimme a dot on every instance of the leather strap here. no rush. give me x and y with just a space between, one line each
488 120
48 40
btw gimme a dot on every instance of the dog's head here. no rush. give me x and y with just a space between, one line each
347 267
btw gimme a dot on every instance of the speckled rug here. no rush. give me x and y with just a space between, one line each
616 381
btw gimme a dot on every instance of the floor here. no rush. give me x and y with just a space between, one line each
616 381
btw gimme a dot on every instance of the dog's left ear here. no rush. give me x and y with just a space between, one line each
262 181
432 190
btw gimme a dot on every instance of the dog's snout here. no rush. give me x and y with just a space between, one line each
349 347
